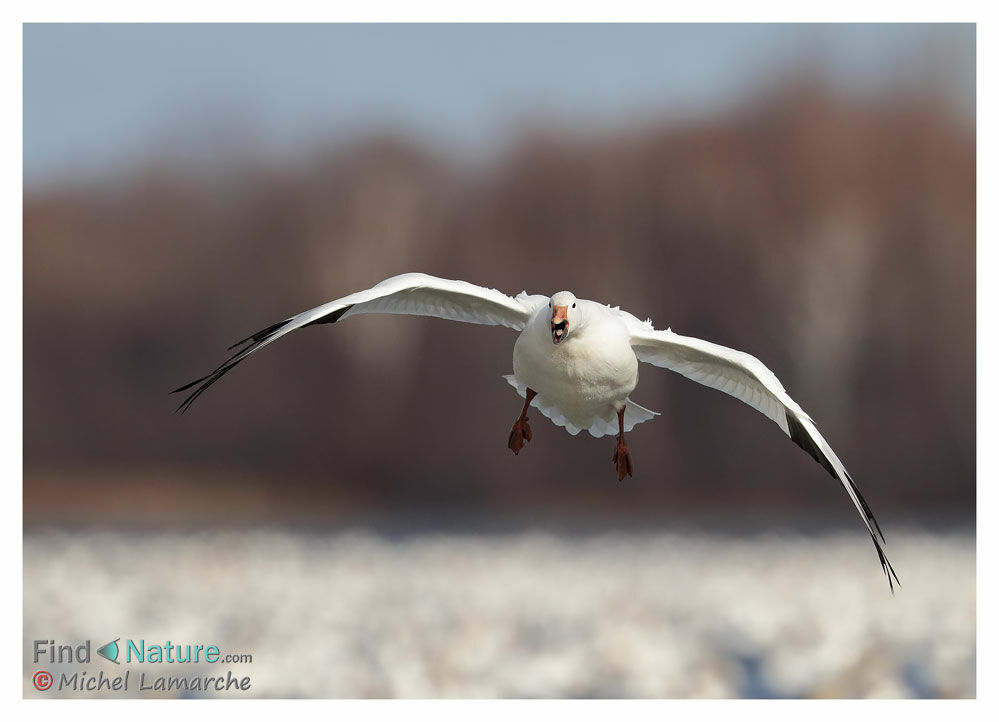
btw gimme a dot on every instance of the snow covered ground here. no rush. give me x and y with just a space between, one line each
525 614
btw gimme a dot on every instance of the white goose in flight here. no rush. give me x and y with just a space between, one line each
577 362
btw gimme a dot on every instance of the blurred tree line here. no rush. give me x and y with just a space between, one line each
833 239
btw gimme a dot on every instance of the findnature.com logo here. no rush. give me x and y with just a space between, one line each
129 651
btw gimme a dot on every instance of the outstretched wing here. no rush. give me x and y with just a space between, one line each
746 378
415 294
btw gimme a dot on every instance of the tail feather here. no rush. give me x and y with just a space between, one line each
597 425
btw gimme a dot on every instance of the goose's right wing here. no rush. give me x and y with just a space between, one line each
411 293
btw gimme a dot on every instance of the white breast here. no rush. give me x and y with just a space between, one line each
583 382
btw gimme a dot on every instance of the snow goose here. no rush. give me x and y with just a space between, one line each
577 362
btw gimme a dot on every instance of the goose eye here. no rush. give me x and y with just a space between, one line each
573 305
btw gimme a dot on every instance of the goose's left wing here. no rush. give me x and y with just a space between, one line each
746 378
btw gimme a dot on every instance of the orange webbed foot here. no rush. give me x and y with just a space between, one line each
519 435
622 459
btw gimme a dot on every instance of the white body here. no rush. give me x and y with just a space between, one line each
583 382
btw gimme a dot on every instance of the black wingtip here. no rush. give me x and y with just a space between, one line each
799 434
865 506
886 566
258 336
205 381
187 386
254 340
331 317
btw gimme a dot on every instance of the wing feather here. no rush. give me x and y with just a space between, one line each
411 293
746 378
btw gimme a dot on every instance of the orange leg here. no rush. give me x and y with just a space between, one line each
622 459
521 432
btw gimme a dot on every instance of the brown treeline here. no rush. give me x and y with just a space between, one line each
833 240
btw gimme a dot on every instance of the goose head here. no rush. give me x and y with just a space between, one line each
565 316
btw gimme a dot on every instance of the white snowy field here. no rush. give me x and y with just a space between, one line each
526 614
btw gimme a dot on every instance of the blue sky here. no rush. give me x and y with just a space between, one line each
98 98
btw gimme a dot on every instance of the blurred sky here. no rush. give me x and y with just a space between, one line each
103 98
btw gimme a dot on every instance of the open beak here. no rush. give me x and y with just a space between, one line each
560 324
